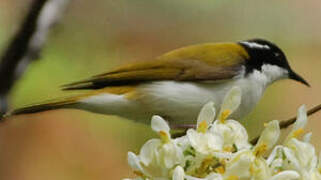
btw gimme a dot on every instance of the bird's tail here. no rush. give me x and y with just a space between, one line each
56 104
90 101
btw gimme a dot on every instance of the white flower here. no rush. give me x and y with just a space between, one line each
134 162
231 102
295 154
234 135
268 138
200 139
223 135
160 126
220 150
157 157
303 155
204 143
206 116
240 164
299 124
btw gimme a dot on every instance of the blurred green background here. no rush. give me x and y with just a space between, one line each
95 36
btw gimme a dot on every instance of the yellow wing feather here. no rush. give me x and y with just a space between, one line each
210 61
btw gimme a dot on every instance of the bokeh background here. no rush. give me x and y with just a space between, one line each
95 36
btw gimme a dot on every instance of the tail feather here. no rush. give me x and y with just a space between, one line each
41 107
76 101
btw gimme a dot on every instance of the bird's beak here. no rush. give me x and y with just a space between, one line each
296 77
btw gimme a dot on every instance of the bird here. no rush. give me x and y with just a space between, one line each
177 84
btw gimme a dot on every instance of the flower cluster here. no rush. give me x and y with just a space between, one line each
220 150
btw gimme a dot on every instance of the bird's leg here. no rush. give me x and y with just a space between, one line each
182 128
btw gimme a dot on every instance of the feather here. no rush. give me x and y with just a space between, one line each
42 107
210 61
70 102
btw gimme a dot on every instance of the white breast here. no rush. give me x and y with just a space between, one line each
182 101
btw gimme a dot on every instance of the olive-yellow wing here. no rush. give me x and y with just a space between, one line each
210 61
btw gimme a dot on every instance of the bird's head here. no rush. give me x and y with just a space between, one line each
266 57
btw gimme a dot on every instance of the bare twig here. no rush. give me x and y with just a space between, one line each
27 43
289 122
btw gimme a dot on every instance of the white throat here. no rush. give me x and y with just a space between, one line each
268 74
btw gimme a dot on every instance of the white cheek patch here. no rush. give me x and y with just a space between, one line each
274 72
269 74
254 45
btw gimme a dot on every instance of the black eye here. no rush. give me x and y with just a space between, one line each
277 54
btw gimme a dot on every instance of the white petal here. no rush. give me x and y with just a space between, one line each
192 136
207 114
301 118
232 100
286 175
182 142
222 154
240 164
232 132
276 164
171 155
270 134
178 173
300 123
204 143
214 176
147 152
291 158
133 161
159 124
304 152
307 137
277 150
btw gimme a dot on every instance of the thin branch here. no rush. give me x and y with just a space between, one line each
27 43
285 124
18 47
289 122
